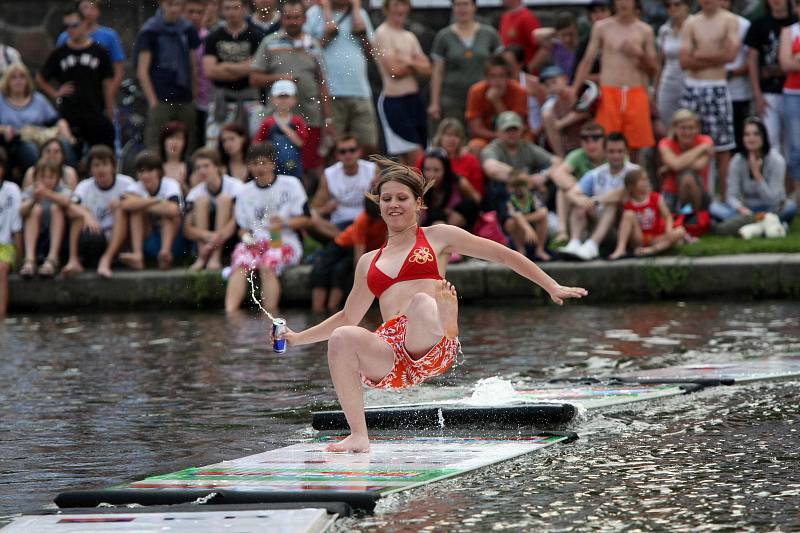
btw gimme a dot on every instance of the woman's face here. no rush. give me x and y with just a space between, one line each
398 206
677 10
751 138
686 131
433 169
232 143
17 83
463 10
54 153
451 142
174 144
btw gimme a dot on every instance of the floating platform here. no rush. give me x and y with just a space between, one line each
729 373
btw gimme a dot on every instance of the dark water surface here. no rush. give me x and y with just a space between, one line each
93 400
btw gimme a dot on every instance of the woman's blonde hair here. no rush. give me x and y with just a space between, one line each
405 175
449 125
681 115
5 81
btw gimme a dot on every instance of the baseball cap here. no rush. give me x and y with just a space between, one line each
509 119
553 71
283 88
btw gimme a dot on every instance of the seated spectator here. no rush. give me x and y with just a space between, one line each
209 207
755 182
53 150
234 149
332 273
26 119
511 152
646 223
451 199
578 162
98 225
527 223
487 99
535 90
596 199
451 137
686 156
562 123
285 130
43 206
10 229
8 56
340 195
269 211
172 144
154 206
557 45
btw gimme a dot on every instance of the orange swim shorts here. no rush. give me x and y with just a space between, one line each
408 372
627 109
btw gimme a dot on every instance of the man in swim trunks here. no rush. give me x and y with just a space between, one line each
419 337
628 60
710 40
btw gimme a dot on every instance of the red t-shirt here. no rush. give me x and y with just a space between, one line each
516 27
467 166
670 183
649 216
478 106
296 122
371 232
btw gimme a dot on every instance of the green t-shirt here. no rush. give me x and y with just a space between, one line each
464 62
528 156
580 162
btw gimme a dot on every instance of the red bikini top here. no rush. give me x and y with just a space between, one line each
420 263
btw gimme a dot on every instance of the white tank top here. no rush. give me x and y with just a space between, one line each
348 191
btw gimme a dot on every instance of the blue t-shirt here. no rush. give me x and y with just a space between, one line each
345 62
108 39
171 46
39 112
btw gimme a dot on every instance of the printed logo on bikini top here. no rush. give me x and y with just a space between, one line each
421 256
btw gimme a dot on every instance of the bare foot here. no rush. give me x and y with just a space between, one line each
197 266
104 269
71 268
164 259
214 264
616 255
131 260
447 302
644 251
351 444
541 255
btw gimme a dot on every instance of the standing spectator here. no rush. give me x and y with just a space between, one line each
291 54
766 74
234 151
562 123
558 45
400 61
167 70
598 10
517 25
628 60
266 16
345 32
172 149
790 63
459 54
196 14
43 209
489 98
669 82
755 181
10 229
597 198
106 37
226 61
25 117
154 206
8 56
98 225
84 73
686 155
738 83
535 90
209 207
286 131
451 137
709 41
269 211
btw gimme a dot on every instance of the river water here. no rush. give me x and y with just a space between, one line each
99 399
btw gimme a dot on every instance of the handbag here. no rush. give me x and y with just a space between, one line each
488 227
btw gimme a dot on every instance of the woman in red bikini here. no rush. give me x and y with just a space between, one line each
419 337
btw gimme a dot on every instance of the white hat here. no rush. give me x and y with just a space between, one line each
283 88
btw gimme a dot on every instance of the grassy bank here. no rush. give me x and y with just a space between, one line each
717 245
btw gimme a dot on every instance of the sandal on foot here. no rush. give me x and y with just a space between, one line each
49 268
28 269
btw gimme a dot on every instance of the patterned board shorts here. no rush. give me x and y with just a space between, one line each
711 102
408 372
262 255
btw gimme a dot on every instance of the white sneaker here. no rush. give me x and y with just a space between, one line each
571 249
587 251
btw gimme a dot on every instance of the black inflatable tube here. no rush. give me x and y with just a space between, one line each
545 414
363 500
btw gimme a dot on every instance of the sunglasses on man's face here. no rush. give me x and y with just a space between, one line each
350 150
591 137
72 25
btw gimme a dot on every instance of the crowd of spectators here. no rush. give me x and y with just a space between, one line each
261 118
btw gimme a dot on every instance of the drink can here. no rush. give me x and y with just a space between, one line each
278 328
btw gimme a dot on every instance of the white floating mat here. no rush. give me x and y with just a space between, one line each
284 521
727 373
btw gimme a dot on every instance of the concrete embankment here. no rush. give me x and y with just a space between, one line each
731 277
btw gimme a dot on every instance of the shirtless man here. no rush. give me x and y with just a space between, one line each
627 62
709 41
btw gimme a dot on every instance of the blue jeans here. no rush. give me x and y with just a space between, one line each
723 211
791 113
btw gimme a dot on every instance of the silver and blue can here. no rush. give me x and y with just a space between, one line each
278 328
